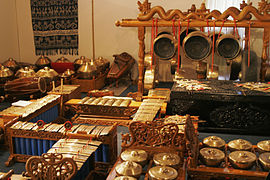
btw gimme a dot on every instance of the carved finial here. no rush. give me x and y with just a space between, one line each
242 5
264 7
192 9
203 9
144 7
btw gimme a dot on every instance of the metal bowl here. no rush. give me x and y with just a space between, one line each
25 72
242 159
62 60
212 156
239 145
43 61
166 159
214 142
5 74
11 64
88 70
124 178
135 155
162 173
263 146
264 160
47 72
80 61
128 168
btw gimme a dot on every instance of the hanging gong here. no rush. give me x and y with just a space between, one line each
165 46
185 32
197 46
228 46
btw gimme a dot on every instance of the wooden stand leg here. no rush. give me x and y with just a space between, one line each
10 161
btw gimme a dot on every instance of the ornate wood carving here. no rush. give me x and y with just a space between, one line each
51 166
264 7
201 14
141 37
151 134
144 7
266 36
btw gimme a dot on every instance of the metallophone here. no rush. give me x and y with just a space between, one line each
27 139
45 108
108 110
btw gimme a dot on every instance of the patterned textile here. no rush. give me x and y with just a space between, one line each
55 26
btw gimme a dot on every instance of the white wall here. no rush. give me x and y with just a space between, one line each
8 31
109 39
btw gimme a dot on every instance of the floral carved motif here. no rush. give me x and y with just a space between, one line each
51 166
246 13
151 134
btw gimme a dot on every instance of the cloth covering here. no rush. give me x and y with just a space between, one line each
55 26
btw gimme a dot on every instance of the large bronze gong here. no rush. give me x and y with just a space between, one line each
197 46
228 46
165 45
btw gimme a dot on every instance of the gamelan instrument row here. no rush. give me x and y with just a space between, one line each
29 139
45 108
81 151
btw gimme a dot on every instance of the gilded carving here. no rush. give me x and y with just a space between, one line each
51 166
217 15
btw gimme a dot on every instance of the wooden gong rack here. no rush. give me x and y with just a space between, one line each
200 18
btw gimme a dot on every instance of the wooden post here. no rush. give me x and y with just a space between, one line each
264 52
141 37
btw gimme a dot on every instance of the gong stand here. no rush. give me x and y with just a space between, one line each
200 18
156 137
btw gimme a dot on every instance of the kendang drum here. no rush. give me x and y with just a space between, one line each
197 46
165 45
228 46
25 86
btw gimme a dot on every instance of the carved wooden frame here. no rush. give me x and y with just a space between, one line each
51 166
199 18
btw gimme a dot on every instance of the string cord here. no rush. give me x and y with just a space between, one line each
213 51
178 47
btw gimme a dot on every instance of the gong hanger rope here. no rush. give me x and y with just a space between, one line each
173 27
178 47
156 32
213 48
152 43
207 22
235 29
188 21
249 43
221 28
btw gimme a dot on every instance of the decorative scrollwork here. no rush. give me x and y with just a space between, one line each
51 166
262 14
151 134
264 7
144 7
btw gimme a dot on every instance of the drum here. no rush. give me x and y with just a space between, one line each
165 46
228 46
25 86
197 45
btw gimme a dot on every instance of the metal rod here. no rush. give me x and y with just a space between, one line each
192 23
93 31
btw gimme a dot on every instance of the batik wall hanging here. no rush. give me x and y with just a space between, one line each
55 26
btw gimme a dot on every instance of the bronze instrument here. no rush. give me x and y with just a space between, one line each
239 145
264 160
212 156
242 159
166 159
214 142
135 155
129 168
162 173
